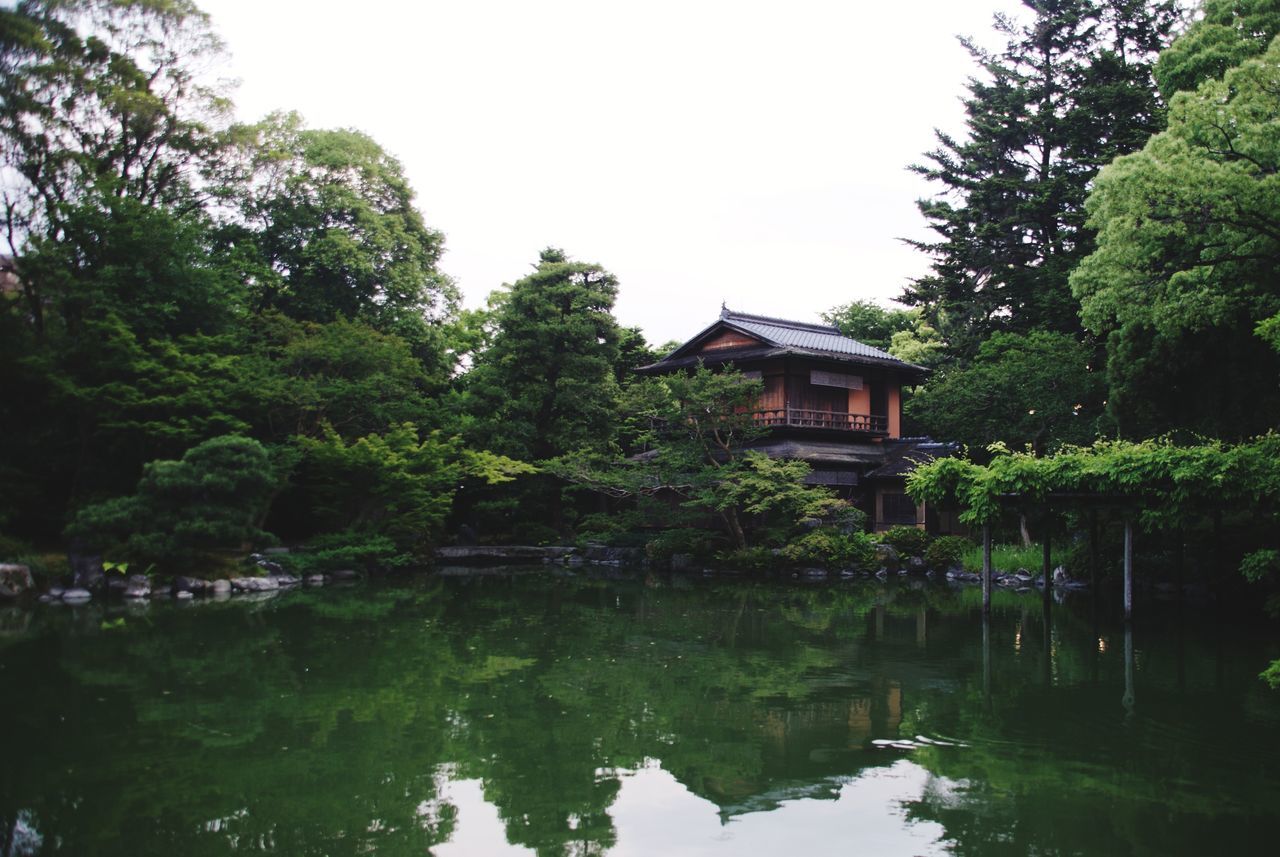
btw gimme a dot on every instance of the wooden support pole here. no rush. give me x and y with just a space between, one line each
1047 560
1128 569
1093 551
986 569
986 658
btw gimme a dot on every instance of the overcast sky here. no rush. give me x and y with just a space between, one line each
752 153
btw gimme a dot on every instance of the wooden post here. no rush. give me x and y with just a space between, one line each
1047 560
1129 697
1093 551
986 569
1128 569
986 658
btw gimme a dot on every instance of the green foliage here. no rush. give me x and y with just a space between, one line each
209 500
831 548
1004 558
1260 565
907 541
546 385
870 323
1227 33
349 549
754 559
695 427
334 233
394 486
1037 389
946 552
1071 89
1184 270
694 541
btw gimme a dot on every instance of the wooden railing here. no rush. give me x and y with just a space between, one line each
833 420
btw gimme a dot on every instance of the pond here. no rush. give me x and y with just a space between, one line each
623 713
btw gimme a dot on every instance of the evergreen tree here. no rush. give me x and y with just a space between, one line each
546 385
1071 90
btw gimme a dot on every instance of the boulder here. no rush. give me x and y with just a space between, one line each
86 569
183 595
188 584
1060 577
315 580
915 564
220 586
887 555
15 580
76 595
255 584
345 574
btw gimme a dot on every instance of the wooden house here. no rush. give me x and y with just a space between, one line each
828 400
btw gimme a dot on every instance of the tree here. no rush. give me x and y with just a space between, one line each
325 228
1227 33
1070 90
1187 260
386 496
870 323
101 97
546 385
209 500
696 428
1034 390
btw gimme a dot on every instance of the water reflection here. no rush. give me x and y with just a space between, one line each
580 715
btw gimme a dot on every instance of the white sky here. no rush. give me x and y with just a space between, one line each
702 150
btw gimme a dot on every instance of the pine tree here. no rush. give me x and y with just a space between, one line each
1071 90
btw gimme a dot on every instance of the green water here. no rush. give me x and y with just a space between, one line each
558 714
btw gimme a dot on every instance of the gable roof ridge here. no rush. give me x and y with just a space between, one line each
727 314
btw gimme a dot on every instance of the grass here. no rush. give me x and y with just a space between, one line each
1006 558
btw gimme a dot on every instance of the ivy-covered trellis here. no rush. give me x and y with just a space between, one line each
1158 482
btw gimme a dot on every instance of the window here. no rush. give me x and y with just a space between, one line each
897 508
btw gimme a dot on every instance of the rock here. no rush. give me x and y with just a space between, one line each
56 591
281 551
315 580
77 595
1023 576
86 568
220 586
46 598
887 556
188 584
1060 577
15 580
136 590
255 584
183 595
681 562
882 573
116 584
285 580
915 564
271 568
345 574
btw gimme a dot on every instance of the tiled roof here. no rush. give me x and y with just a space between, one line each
798 334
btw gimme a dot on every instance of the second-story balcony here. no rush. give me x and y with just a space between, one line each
829 420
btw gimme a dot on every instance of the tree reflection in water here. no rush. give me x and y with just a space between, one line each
588 715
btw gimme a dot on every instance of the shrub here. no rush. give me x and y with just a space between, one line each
354 550
748 559
208 501
690 540
830 548
946 552
907 541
